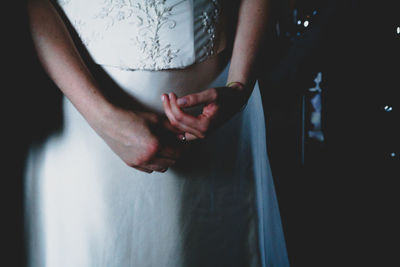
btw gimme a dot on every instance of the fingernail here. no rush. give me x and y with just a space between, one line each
182 101
162 97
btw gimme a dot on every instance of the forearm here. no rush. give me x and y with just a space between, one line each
250 32
62 61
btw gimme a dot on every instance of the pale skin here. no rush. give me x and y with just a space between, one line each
129 132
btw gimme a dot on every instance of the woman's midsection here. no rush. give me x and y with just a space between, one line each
146 87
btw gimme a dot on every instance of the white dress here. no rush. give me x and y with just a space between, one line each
215 207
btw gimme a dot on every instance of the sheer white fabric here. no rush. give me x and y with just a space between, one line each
216 207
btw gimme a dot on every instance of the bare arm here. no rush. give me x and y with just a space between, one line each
61 60
127 133
251 29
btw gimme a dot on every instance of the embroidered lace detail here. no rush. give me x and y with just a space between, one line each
116 10
209 22
152 16
145 28
86 37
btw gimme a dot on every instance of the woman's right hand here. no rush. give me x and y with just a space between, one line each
143 140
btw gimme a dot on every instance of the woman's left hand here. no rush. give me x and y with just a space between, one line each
220 104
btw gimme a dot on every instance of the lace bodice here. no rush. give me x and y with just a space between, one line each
147 34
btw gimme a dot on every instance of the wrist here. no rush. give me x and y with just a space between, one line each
94 106
242 91
237 85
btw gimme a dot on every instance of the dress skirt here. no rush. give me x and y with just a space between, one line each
215 207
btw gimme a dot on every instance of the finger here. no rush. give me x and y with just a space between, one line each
143 169
188 137
160 164
167 125
167 109
175 122
209 112
196 123
169 114
157 168
203 97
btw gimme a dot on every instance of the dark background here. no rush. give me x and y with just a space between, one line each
338 198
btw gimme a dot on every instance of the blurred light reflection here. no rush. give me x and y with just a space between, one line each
388 108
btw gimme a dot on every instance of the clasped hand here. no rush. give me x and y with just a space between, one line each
143 140
150 142
219 105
